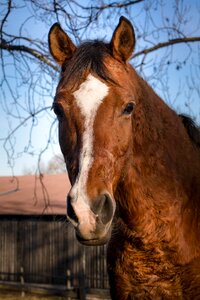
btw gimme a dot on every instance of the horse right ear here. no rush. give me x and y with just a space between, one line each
60 45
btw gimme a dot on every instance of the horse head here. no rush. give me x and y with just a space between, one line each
94 103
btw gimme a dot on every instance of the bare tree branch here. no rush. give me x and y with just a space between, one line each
6 15
21 48
110 5
167 44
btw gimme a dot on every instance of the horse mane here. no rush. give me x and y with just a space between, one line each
192 129
89 57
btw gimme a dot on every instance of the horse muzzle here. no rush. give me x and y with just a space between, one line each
91 219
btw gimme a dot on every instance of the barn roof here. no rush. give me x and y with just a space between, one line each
31 195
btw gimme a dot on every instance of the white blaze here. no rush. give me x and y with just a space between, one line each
88 97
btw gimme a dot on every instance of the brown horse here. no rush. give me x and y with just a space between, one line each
133 163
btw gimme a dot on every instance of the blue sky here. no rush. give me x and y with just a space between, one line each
27 158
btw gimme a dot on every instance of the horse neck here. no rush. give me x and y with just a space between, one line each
156 187
162 144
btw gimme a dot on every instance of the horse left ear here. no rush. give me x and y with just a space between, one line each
123 40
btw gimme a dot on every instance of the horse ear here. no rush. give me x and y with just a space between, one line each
123 40
60 45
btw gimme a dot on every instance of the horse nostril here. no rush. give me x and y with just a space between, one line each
104 208
107 211
70 212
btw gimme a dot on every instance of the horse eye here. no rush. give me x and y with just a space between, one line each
129 108
58 111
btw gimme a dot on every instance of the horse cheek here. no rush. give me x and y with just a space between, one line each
124 137
67 141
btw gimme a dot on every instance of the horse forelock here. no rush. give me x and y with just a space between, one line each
88 58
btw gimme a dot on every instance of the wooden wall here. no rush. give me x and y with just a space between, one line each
43 249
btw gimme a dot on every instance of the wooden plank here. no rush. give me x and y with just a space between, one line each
82 283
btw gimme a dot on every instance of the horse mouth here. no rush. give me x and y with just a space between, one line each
93 241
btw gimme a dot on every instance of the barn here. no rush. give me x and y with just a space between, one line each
38 249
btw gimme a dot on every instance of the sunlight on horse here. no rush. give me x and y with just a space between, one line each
134 166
